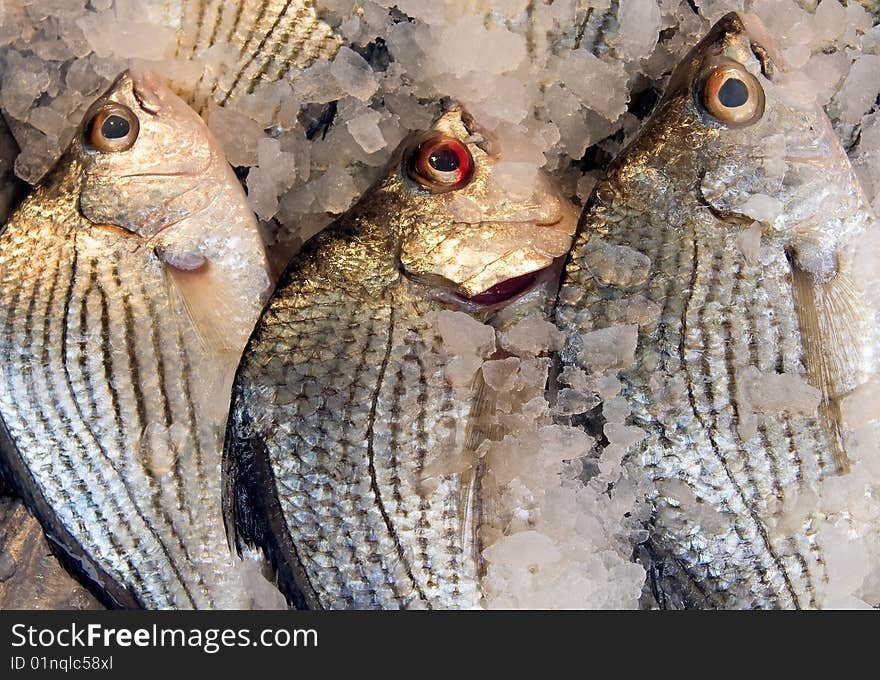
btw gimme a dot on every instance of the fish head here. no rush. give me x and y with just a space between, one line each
740 140
472 225
750 135
145 158
149 169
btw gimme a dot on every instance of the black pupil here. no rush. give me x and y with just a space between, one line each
115 127
733 93
444 159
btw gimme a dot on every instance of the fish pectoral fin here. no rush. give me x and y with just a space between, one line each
834 318
202 295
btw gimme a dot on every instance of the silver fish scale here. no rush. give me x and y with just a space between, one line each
719 315
97 369
336 383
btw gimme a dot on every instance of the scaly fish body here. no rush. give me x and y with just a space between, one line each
353 453
269 38
131 278
667 231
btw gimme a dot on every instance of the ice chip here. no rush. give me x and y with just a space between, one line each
463 334
237 133
612 347
860 88
599 85
771 392
761 207
616 266
467 341
829 21
515 179
500 374
353 74
530 336
524 549
335 190
494 50
571 402
639 28
749 242
826 71
366 132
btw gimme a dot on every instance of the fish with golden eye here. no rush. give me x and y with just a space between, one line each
131 278
718 266
343 418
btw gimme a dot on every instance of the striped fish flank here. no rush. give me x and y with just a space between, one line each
744 347
110 373
262 40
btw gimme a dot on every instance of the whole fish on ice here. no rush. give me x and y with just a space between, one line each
129 281
718 269
240 45
350 452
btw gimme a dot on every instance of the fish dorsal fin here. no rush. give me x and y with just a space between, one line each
834 320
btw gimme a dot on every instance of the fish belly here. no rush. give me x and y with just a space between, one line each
349 401
724 477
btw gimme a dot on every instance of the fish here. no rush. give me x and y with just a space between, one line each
269 38
130 280
264 41
350 454
722 250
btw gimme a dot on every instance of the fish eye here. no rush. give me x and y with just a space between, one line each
441 164
732 95
113 128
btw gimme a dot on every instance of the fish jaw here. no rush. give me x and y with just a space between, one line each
473 258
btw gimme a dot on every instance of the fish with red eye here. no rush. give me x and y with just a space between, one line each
441 164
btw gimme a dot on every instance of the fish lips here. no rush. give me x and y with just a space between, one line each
486 262
496 297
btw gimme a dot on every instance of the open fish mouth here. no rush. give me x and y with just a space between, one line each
487 263
504 291
497 296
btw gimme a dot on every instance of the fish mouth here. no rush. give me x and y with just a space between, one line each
503 291
487 262
497 296
190 173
